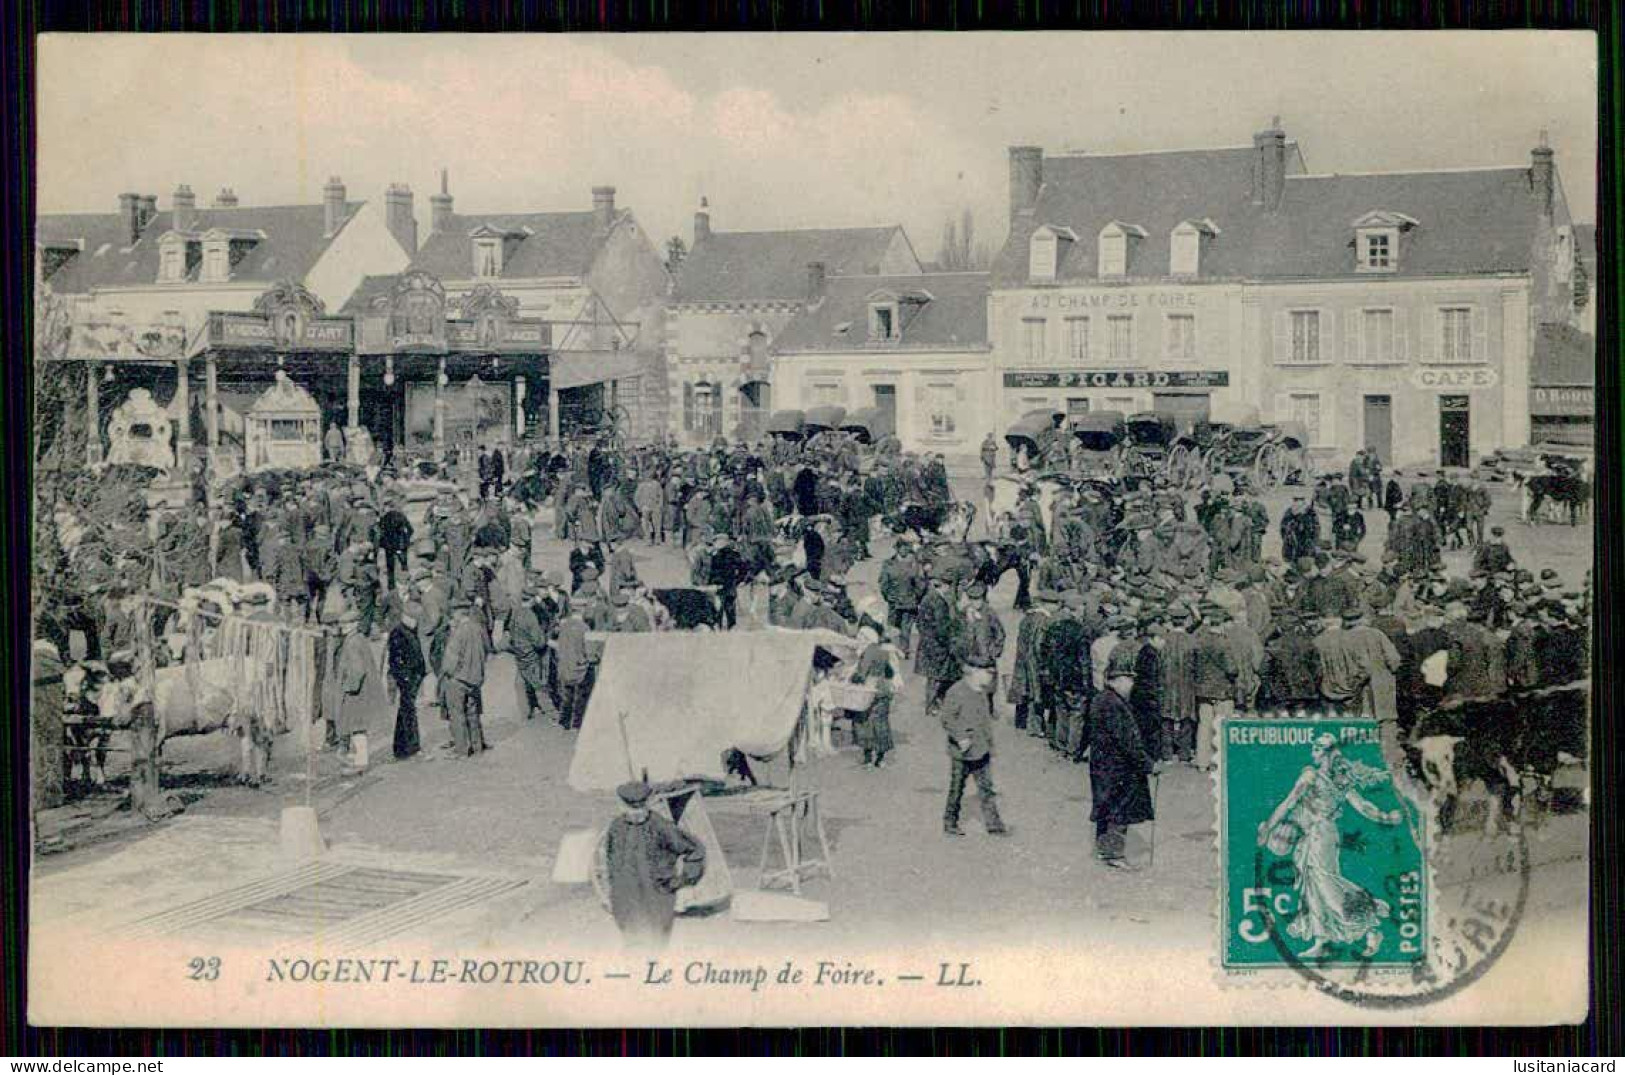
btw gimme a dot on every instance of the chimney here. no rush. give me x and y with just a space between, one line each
226 199
332 205
129 211
398 216
146 207
1026 176
440 206
1269 167
1542 175
183 205
815 282
702 221
603 206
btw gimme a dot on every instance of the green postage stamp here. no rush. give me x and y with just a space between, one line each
1321 858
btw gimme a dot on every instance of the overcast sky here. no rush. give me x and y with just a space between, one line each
777 131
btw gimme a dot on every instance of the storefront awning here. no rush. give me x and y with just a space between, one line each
572 369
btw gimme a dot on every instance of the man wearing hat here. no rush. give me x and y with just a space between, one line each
1357 667
362 698
575 667
1065 675
1026 679
902 585
648 858
528 641
1217 671
407 670
981 636
462 677
967 718
1120 761
1493 556
936 660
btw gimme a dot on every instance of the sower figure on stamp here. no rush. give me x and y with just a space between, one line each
967 717
648 859
1120 762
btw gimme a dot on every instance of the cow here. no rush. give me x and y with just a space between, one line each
921 518
1510 746
1571 492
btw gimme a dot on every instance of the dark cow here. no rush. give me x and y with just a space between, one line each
1570 492
691 608
1508 745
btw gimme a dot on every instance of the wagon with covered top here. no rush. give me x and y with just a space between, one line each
1149 438
1098 439
869 426
1034 439
787 425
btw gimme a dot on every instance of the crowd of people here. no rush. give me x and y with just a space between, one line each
1148 612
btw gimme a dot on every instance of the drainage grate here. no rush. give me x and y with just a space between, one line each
343 904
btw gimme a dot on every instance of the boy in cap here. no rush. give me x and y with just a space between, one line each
648 859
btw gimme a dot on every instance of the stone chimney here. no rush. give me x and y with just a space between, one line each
702 221
146 208
129 211
183 205
1543 177
440 205
1026 176
226 199
1269 166
815 282
603 207
332 206
399 218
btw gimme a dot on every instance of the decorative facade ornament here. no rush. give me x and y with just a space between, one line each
416 306
53 324
289 306
139 432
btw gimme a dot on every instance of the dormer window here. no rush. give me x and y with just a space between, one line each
883 321
1376 240
216 259
488 257
1185 246
1046 250
174 256
1115 241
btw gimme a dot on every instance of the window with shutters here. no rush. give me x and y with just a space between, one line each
1377 336
707 409
941 405
1032 341
1077 340
1456 334
1181 337
1305 407
1120 329
1303 344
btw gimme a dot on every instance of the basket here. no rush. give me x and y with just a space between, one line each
853 696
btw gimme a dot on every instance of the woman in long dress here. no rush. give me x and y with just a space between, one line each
1334 910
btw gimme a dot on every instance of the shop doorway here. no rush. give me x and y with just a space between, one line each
1454 426
1379 427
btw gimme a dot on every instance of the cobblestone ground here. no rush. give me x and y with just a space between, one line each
899 879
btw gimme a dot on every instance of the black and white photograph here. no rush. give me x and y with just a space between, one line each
813 529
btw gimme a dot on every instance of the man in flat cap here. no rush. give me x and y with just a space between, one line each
648 859
967 718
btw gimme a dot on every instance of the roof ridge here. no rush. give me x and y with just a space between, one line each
1084 154
806 231
1414 171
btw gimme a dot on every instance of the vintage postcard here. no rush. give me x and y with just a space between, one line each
714 530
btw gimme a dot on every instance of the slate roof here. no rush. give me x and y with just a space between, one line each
369 288
558 244
293 243
954 319
1471 221
1563 357
766 266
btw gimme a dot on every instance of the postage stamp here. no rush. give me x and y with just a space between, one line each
1322 859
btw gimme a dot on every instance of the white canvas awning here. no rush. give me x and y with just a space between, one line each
572 369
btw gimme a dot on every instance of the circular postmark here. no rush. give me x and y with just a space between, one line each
1472 898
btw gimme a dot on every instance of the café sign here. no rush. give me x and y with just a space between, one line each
1473 378
1117 379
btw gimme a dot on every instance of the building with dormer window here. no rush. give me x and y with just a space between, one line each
1400 312
732 296
909 353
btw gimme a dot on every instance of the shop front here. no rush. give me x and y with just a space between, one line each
1187 396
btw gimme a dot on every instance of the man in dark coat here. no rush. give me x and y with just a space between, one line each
936 660
902 585
527 640
407 670
1290 676
648 858
1120 763
727 571
395 539
1026 680
485 470
967 718
1065 672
